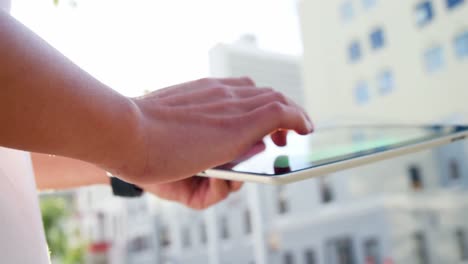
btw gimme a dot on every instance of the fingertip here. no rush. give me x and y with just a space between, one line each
236 186
280 138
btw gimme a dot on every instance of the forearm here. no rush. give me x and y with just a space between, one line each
49 105
54 172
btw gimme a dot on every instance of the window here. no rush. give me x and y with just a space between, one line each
164 238
283 206
326 193
288 258
454 169
461 45
186 241
361 93
415 176
434 59
386 82
462 243
368 4
224 228
377 39
451 4
247 221
420 246
354 51
139 244
340 251
424 13
203 233
347 11
309 256
372 252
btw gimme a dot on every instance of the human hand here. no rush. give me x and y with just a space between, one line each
188 128
195 192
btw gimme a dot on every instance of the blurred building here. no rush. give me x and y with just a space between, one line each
268 69
118 230
385 60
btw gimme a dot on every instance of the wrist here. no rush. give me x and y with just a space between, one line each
125 155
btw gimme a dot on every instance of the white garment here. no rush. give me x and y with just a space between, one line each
22 239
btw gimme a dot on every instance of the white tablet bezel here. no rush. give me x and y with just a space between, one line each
335 166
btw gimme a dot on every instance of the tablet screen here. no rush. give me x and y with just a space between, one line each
330 145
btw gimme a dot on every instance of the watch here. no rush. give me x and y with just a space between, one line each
124 189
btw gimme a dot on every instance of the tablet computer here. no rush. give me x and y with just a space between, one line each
332 149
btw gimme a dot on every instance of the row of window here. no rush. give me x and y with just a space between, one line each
224 231
435 57
385 82
326 195
347 9
415 176
376 40
340 251
425 13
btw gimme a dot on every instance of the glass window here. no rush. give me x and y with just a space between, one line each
361 93
462 243
247 221
139 244
415 176
283 206
340 251
310 257
224 228
347 11
454 168
372 251
354 51
203 233
424 13
377 39
454 3
434 59
386 82
369 3
420 246
326 193
288 258
461 45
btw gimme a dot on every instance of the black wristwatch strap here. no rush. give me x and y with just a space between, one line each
125 189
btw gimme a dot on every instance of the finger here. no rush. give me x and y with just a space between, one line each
219 189
266 97
242 81
279 137
274 116
236 185
250 91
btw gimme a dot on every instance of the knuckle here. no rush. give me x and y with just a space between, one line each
207 81
248 80
224 123
267 89
279 97
277 108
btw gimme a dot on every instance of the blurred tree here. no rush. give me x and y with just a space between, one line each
55 212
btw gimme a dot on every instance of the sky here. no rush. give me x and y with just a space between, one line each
138 45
